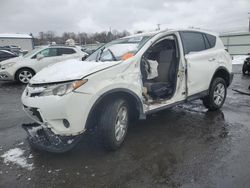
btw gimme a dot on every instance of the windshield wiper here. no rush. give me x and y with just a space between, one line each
113 56
98 57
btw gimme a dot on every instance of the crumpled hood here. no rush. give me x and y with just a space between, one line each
72 69
15 59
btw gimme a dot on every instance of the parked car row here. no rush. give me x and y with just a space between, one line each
14 49
6 54
125 79
23 68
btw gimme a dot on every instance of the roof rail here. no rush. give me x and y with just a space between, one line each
62 45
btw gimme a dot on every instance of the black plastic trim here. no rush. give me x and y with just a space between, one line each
197 95
138 102
165 107
222 68
190 98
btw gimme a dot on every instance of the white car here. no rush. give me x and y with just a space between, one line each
127 78
23 68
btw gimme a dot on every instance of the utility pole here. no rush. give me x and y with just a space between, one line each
158 27
249 22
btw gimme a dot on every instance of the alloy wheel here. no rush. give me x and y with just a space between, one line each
25 76
219 94
121 123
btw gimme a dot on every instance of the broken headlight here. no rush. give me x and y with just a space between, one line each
62 89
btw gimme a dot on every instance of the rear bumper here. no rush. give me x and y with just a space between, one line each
43 138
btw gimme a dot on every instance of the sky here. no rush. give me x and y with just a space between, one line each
32 16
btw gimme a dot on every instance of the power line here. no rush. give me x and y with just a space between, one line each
249 22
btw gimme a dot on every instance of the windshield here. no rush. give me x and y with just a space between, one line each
118 49
33 52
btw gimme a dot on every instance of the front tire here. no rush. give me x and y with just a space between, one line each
217 94
23 76
113 123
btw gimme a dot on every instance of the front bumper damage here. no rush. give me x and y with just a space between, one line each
42 138
6 76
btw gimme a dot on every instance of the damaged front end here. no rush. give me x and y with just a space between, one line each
42 138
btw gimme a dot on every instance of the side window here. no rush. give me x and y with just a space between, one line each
211 39
192 41
48 52
45 52
52 52
61 51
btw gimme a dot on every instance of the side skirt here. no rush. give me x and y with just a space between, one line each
189 98
197 95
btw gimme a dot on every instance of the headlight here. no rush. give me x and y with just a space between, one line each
7 65
62 89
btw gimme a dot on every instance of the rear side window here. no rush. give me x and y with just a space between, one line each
211 39
61 51
192 41
206 42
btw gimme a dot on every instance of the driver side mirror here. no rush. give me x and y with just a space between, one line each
39 56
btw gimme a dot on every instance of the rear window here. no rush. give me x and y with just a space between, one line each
61 51
192 41
211 39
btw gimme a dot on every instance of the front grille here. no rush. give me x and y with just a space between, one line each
35 94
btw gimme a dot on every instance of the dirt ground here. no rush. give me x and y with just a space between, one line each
185 146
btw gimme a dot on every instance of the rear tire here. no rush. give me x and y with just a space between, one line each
217 94
113 123
24 75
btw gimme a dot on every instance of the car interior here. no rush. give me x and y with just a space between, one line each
159 67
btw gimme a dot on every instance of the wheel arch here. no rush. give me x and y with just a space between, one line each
15 75
130 96
223 73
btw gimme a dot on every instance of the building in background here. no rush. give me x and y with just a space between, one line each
24 41
237 43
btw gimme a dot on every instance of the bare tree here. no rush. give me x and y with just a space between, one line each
80 38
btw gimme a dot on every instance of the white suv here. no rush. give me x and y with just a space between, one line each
23 68
127 78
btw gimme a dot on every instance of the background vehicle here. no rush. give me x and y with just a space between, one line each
5 54
17 41
23 68
246 66
14 49
127 78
